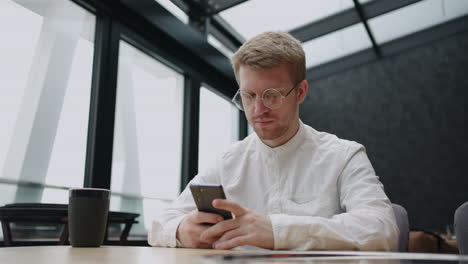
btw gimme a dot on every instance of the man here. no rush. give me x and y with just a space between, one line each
288 185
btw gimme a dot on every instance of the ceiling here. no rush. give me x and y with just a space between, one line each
329 30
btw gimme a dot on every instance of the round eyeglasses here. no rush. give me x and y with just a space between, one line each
271 98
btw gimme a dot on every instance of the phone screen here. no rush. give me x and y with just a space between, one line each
204 194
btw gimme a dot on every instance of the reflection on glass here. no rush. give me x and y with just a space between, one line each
45 75
219 127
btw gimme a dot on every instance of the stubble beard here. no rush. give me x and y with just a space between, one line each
271 134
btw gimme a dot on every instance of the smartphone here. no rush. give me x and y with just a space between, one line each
204 194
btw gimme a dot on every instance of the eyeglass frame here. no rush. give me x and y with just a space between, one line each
263 95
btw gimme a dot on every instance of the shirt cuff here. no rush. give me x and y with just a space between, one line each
290 232
178 243
165 236
279 231
171 231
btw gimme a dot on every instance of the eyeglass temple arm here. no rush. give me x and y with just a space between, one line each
292 88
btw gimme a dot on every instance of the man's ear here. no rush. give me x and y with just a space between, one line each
302 89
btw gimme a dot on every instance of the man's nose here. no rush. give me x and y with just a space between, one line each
260 107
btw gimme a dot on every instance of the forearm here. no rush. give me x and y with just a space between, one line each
363 229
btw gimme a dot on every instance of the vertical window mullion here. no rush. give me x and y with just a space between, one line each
243 126
190 130
102 106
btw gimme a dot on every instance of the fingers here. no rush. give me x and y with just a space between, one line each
204 245
205 218
230 206
232 243
229 235
213 233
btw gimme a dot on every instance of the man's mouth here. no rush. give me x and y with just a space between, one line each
263 122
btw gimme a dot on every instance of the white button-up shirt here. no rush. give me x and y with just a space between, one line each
319 191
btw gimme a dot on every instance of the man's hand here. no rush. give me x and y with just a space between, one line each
248 228
191 226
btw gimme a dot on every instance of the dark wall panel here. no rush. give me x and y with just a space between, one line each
408 111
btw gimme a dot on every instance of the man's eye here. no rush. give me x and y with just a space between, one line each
249 96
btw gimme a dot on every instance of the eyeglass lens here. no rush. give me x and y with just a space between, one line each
271 98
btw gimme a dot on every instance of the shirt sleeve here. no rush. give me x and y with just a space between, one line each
163 229
368 222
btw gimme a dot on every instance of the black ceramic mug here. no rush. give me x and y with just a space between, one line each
87 216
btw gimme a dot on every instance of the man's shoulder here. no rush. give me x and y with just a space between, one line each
329 141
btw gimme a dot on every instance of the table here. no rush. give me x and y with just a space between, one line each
154 255
53 213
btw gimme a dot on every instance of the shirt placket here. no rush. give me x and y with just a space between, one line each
276 190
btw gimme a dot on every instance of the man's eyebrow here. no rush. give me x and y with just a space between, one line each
250 93
279 88
246 90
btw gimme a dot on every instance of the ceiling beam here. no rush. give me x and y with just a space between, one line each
228 5
363 18
218 26
225 33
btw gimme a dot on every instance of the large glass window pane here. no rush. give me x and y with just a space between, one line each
253 17
455 8
146 162
337 44
45 75
219 127
250 130
415 17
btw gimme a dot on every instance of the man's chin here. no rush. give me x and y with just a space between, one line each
265 135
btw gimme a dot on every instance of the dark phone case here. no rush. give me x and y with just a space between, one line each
203 195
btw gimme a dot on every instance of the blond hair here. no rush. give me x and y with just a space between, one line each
269 50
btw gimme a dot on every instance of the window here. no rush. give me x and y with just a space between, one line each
45 75
146 162
415 17
250 130
219 127
336 44
254 17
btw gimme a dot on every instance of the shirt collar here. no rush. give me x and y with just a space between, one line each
291 144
